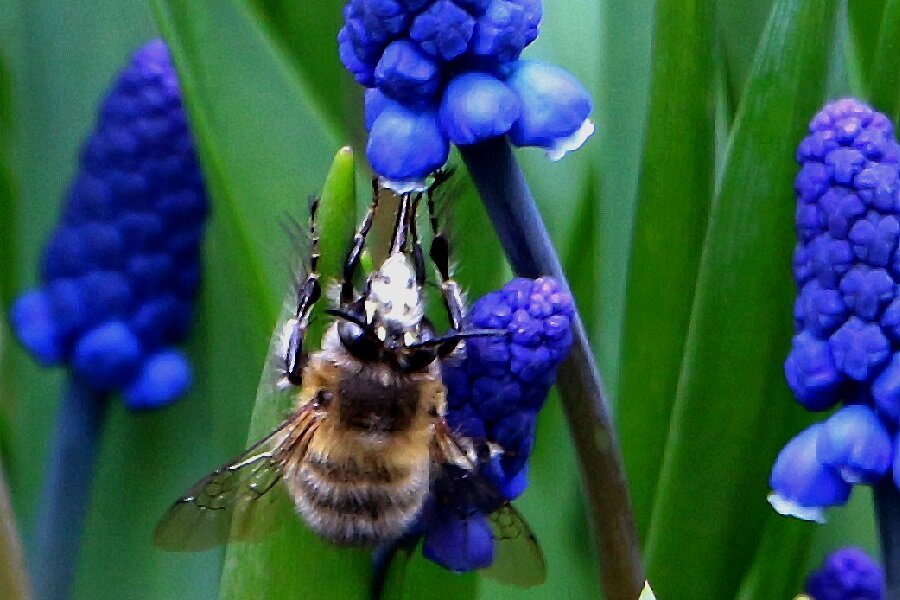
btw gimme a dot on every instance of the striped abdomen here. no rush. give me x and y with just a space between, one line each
361 498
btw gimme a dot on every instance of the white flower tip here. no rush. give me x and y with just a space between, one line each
563 146
405 186
851 476
789 508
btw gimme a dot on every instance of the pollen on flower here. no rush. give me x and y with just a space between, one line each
120 272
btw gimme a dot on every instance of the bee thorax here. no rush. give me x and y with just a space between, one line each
394 295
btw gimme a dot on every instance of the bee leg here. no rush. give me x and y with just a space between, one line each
356 248
418 258
440 256
308 293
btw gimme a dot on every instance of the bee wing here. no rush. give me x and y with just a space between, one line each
232 502
518 558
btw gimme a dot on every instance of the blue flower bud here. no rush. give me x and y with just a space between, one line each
363 72
840 209
830 259
866 291
163 378
855 443
501 32
108 357
847 574
878 186
811 372
886 390
406 74
555 108
121 270
375 102
874 239
801 485
460 544
820 309
476 107
418 53
405 144
35 327
859 349
443 30
503 381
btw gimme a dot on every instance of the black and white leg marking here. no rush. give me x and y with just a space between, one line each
356 248
308 292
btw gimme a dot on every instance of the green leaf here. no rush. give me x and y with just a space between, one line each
623 61
864 18
741 25
7 189
729 417
675 190
307 32
294 561
885 77
778 569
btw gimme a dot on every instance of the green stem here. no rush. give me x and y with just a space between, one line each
528 247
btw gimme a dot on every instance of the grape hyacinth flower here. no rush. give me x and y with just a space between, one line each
847 314
846 574
495 393
119 277
442 71
122 269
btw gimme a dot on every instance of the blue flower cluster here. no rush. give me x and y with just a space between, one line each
847 313
442 71
495 393
847 574
122 268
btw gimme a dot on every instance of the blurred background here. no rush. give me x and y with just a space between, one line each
270 104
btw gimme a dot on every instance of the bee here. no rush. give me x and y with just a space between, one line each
367 442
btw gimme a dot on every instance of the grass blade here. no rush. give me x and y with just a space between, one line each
670 222
731 382
885 76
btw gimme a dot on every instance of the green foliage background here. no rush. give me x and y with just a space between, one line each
675 223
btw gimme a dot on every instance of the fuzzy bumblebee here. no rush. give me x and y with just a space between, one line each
368 442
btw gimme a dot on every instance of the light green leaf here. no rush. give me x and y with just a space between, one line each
729 417
307 32
293 561
674 194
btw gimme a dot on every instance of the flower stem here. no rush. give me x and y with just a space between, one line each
530 251
887 507
67 489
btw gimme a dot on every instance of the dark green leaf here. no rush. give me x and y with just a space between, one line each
864 17
674 194
778 569
885 77
729 415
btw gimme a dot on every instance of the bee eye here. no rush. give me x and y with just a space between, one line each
358 342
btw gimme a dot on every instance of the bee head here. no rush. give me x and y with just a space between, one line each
387 324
